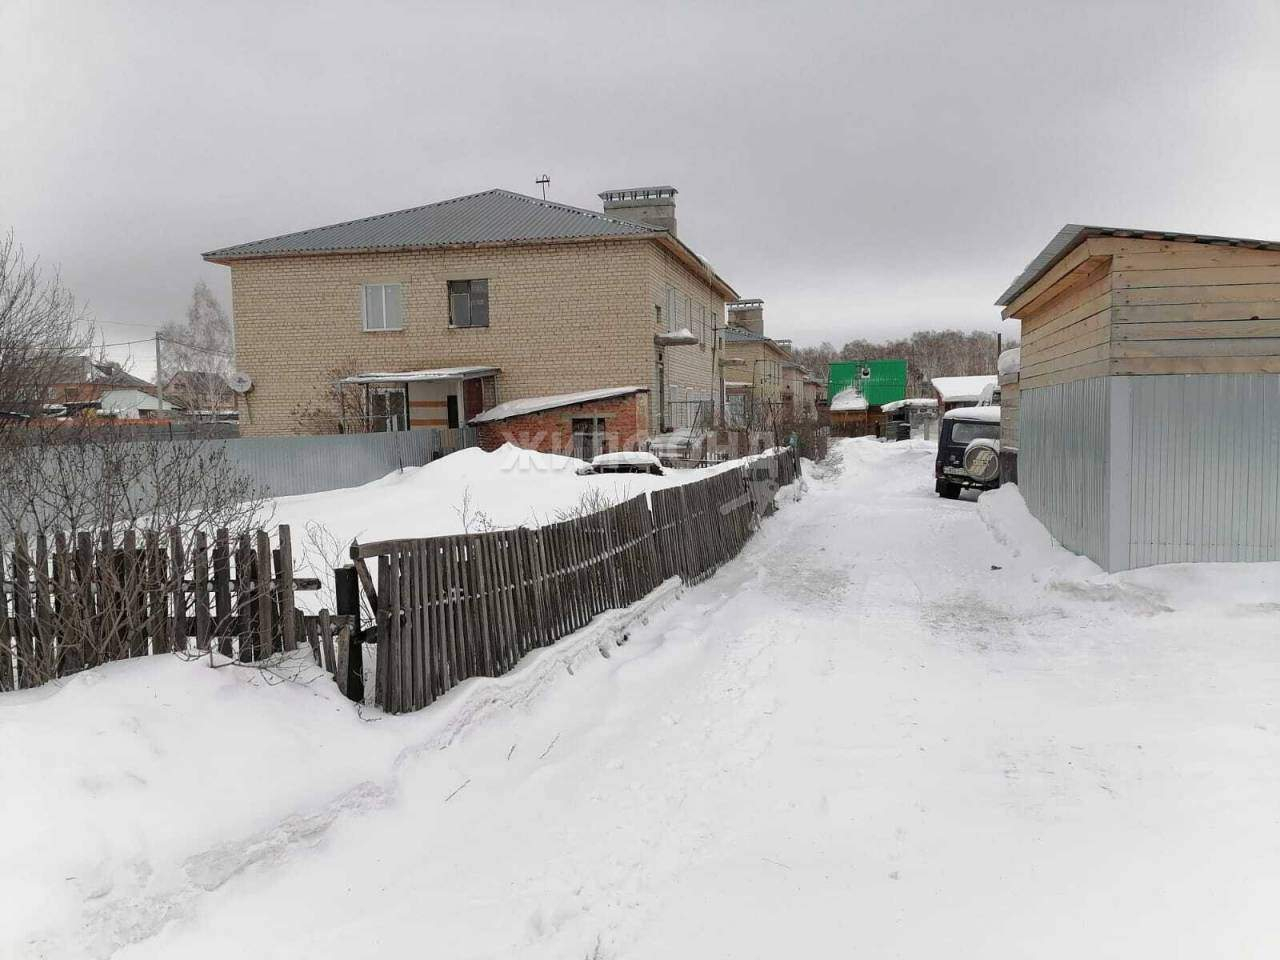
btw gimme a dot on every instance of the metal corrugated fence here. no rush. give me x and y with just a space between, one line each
1206 468
287 466
1062 465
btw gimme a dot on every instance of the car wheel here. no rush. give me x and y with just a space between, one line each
949 491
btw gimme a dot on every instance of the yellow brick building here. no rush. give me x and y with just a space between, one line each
445 310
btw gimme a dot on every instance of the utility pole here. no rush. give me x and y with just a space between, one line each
159 379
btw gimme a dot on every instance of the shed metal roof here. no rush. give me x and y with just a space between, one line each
520 408
1073 234
494 216
422 376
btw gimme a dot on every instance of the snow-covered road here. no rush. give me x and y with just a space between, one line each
897 726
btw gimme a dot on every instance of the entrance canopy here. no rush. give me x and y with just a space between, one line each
422 376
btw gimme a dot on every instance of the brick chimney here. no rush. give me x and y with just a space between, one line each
655 206
747 314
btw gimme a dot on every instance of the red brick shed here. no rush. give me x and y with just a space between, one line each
581 424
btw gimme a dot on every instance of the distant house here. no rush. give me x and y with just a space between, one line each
132 403
880 381
200 392
766 377
93 386
851 415
437 314
955 392
858 391
1149 394
83 380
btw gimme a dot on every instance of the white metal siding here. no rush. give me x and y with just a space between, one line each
1062 461
1206 468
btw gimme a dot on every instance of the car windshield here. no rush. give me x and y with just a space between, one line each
962 431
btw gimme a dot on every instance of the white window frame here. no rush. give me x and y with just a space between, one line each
364 306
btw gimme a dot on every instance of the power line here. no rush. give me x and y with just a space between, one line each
179 343
125 343
192 346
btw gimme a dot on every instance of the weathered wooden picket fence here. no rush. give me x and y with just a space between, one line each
449 608
94 597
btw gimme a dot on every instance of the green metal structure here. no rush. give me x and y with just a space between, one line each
880 381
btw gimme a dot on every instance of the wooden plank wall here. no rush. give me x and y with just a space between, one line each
1194 308
450 608
1066 334
81 600
1130 306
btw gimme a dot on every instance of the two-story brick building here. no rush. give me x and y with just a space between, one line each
762 379
438 313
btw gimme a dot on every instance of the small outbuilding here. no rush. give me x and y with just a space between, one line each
956 392
852 416
585 424
1149 394
919 413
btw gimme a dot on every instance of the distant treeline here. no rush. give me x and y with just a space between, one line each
929 353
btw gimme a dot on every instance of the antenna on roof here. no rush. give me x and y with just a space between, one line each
543 181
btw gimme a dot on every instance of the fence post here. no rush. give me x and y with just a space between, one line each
284 577
346 585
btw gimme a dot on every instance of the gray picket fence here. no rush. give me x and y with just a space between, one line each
449 608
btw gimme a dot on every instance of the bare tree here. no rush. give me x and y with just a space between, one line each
196 354
929 354
43 334
338 408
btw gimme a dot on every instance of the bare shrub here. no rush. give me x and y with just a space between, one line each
592 500
43 333
338 408
473 520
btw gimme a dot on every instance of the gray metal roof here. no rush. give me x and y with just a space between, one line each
733 334
1073 234
494 216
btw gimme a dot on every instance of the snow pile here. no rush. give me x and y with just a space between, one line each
470 490
848 400
987 414
1009 362
631 458
1011 524
962 389
922 403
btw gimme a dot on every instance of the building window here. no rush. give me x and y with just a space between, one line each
589 437
383 306
468 303
388 409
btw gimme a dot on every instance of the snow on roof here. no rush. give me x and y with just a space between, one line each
418 376
848 399
633 457
955 389
518 408
988 414
1009 362
921 402
676 337
737 384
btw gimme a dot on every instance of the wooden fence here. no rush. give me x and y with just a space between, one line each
449 608
83 600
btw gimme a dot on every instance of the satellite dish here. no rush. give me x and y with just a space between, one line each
240 382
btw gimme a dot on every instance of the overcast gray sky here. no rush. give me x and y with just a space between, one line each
866 168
